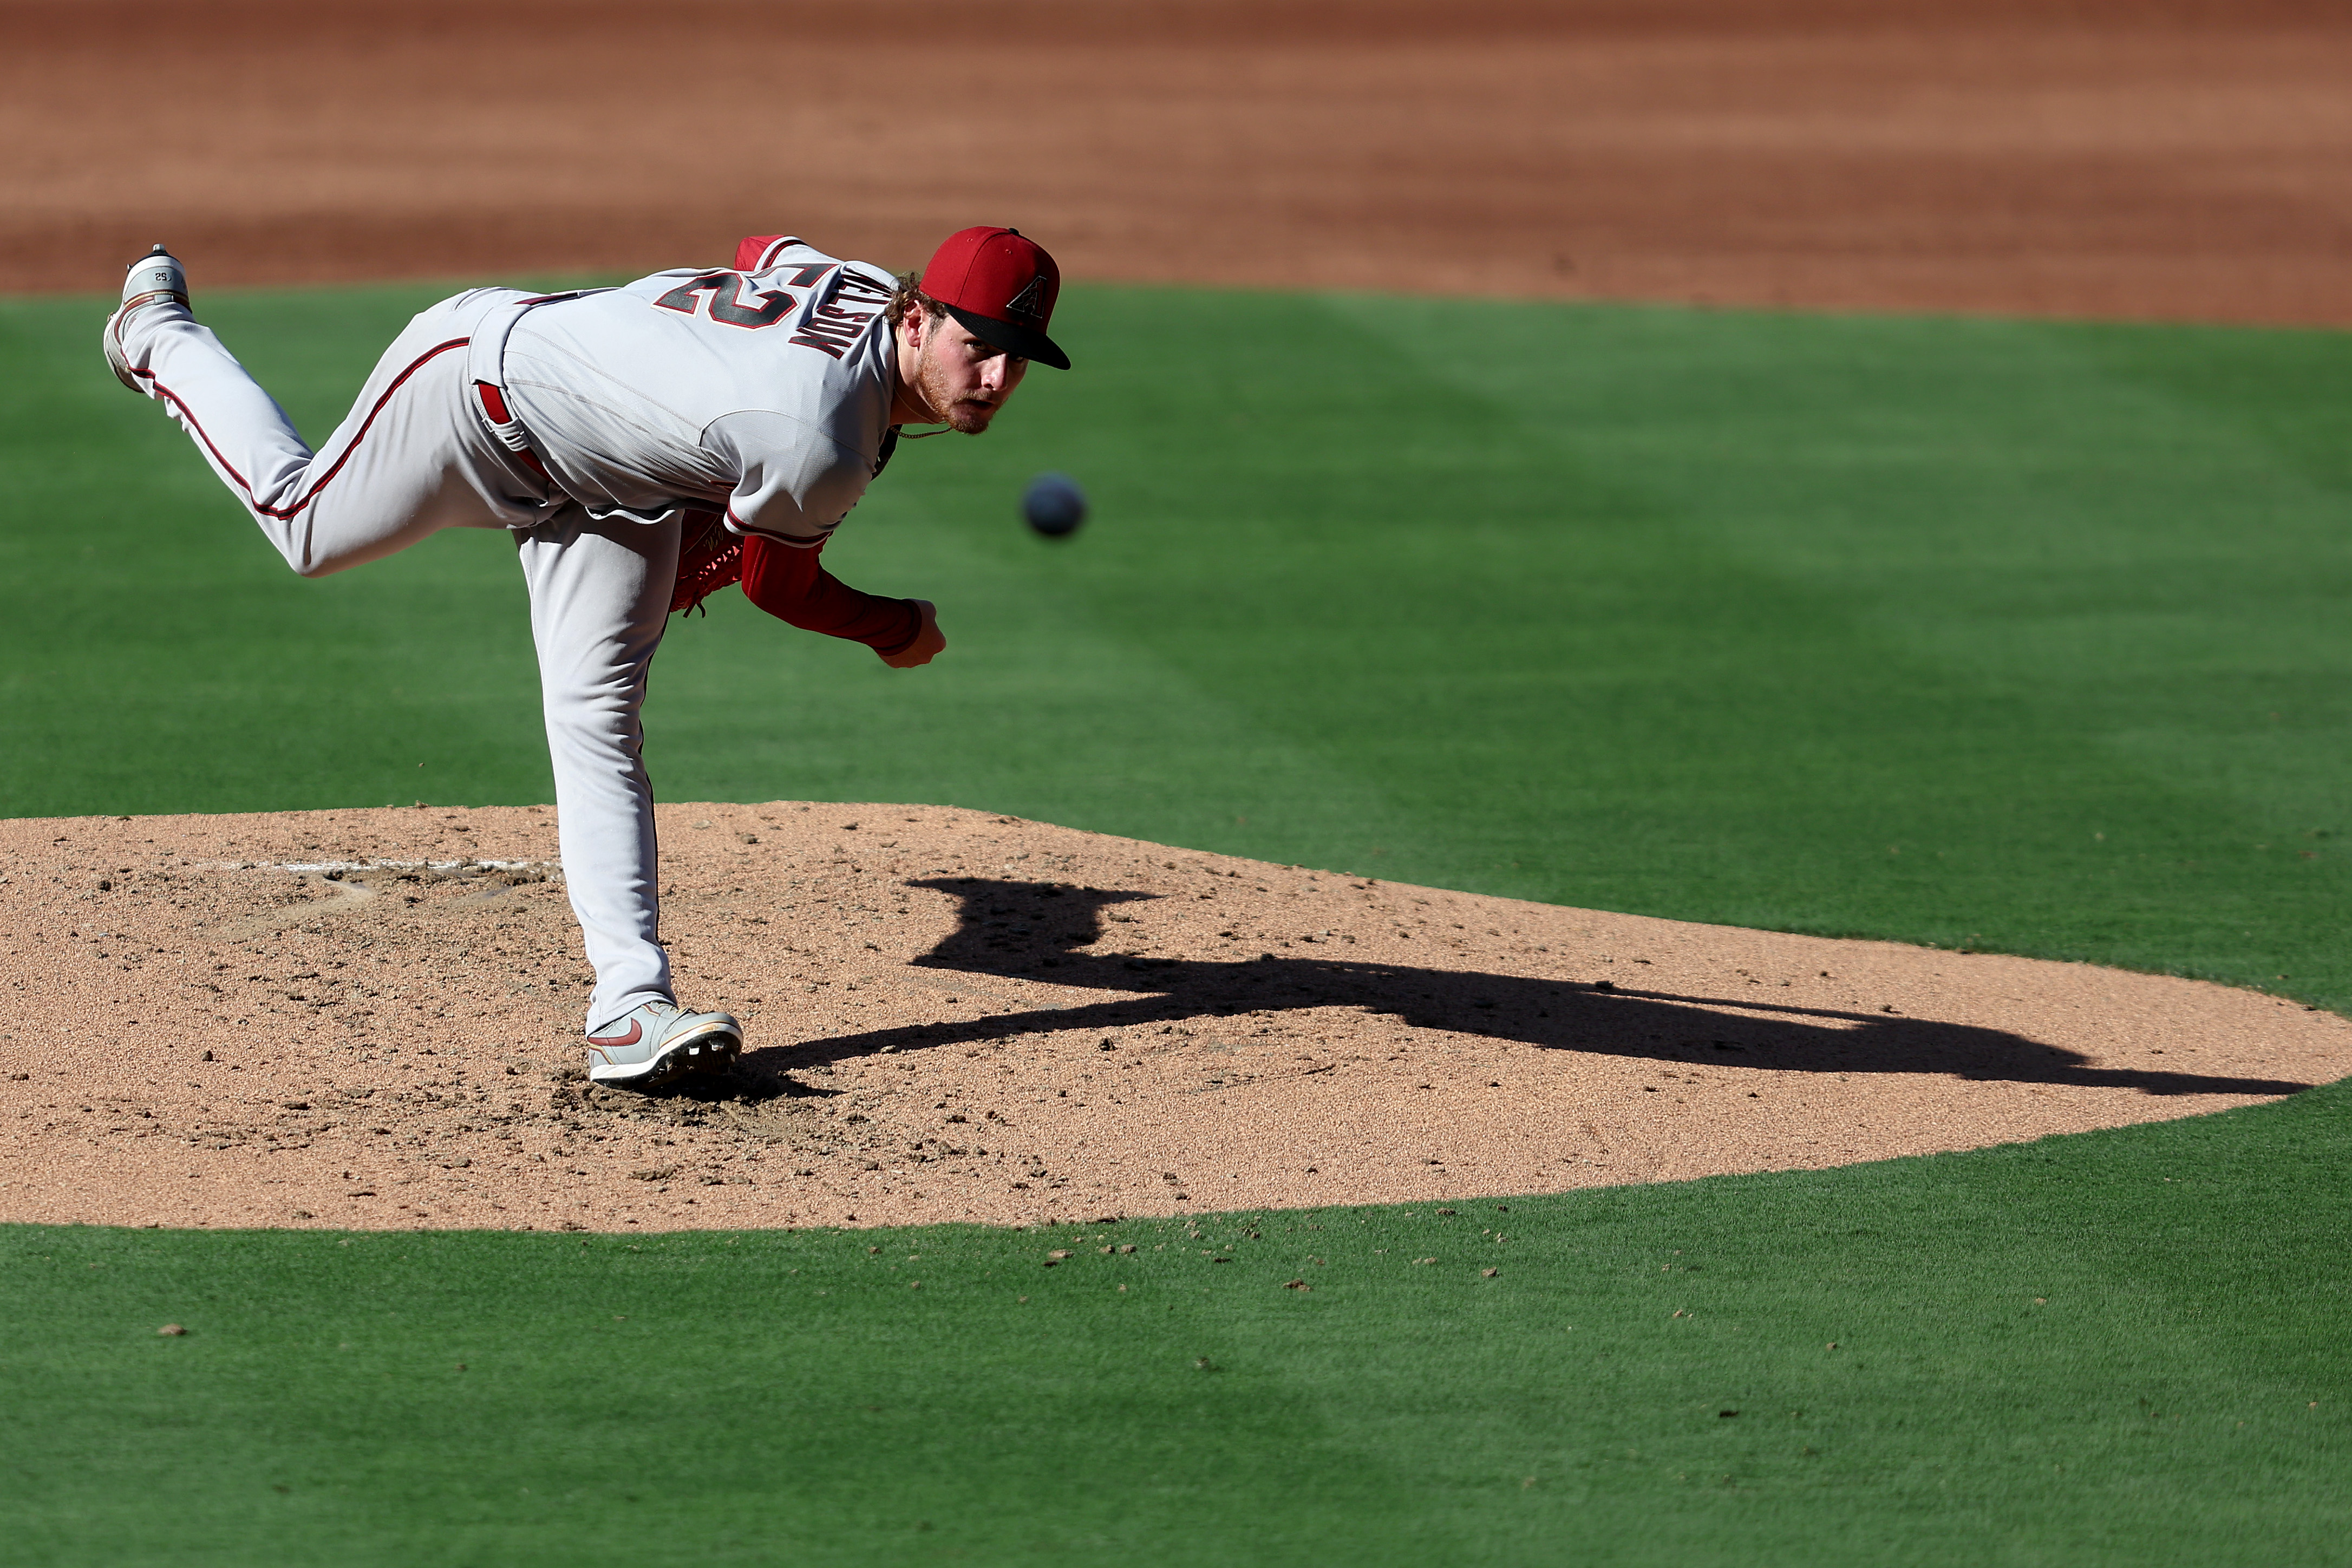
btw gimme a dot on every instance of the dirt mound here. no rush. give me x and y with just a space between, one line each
370 1018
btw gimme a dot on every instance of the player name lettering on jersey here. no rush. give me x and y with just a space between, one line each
835 325
684 388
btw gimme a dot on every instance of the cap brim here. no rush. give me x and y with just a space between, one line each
1011 337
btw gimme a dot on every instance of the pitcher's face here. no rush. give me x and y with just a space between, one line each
963 378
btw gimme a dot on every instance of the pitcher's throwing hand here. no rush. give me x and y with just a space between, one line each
928 642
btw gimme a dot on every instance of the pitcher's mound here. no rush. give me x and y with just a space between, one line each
370 1018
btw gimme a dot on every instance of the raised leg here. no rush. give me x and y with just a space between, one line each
411 458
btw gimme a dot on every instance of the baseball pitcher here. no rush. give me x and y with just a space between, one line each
644 445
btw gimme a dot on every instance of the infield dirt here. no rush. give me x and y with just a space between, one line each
370 1018
2139 158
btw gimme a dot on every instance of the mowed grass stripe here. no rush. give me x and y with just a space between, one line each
1967 632
2116 1348
2025 632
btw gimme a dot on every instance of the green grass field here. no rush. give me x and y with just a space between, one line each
2024 636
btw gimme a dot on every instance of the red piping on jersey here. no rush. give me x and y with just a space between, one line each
798 540
324 479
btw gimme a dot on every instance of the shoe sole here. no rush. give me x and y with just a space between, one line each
712 1048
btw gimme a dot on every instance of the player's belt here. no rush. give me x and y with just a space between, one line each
509 430
486 368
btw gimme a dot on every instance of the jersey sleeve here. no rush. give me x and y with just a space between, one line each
791 586
795 483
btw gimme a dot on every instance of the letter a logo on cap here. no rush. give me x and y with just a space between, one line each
999 284
1030 303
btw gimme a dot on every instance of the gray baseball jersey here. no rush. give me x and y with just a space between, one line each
765 392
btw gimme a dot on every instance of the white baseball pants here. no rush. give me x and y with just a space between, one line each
415 456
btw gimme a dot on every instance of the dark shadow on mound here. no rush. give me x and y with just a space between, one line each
1032 931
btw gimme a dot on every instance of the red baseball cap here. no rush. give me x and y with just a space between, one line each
1001 285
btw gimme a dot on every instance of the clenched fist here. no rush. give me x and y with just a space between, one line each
927 643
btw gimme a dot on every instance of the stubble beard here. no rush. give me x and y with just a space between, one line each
931 380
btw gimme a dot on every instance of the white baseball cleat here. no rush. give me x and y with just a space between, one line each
155 279
657 1041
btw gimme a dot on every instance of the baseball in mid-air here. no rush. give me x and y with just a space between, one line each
1053 505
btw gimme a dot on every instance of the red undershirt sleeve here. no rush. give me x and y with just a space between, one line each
791 585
